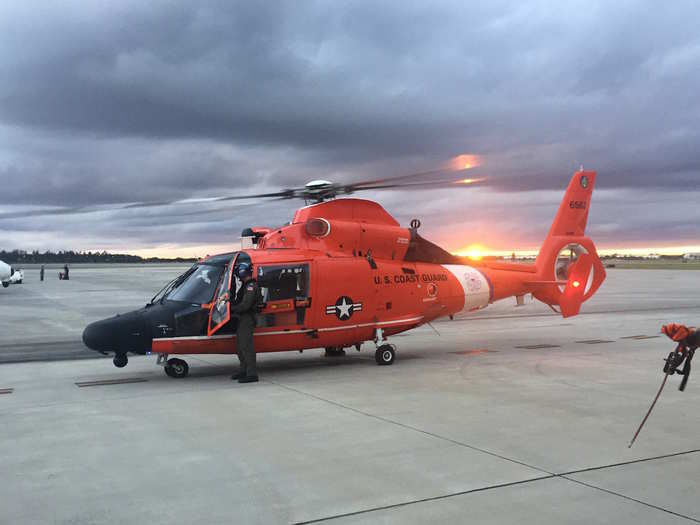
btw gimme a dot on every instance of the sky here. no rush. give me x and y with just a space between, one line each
130 101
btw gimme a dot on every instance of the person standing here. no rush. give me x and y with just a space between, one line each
244 308
65 271
41 273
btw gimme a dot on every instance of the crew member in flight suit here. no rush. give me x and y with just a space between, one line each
244 307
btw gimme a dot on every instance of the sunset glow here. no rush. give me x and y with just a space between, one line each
470 181
465 162
474 251
477 251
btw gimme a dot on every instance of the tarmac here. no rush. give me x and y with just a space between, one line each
513 415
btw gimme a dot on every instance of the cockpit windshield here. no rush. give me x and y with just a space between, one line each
198 284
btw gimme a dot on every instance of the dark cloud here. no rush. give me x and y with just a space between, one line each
163 100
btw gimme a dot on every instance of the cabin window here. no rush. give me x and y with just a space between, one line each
283 286
199 286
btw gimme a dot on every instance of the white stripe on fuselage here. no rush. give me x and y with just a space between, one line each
304 331
476 289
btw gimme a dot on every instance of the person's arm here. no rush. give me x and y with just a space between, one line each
248 300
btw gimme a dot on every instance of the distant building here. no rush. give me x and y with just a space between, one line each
691 256
653 256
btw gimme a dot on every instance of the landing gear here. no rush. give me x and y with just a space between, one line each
385 355
176 368
334 351
5 284
120 360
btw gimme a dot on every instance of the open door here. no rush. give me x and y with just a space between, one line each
220 312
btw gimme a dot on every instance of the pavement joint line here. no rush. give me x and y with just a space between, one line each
414 429
106 382
629 498
514 483
6 390
541 346
630 462
422 500
548 475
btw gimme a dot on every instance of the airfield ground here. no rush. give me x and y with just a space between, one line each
513 415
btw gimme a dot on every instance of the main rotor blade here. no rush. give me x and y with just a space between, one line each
400 181
410 176
76 210
429 185
408 185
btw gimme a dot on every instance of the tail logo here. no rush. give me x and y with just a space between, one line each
473 283
584 181
577 205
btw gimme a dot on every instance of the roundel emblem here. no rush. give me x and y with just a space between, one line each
584 181
343 308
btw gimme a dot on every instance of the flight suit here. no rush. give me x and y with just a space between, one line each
245 309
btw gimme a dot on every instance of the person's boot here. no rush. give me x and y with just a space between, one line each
238 376
248 379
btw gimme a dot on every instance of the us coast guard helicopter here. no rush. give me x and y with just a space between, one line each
344 272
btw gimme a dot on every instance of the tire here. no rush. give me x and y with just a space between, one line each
120 360
177 368
19 282
385 355
5 284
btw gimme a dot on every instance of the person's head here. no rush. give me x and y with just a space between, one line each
244 271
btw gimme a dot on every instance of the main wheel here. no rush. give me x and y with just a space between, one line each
120 360
385 355
177 368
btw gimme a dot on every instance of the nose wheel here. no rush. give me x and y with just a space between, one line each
120 360
176 368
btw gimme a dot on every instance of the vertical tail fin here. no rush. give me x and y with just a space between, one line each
568 259
571 219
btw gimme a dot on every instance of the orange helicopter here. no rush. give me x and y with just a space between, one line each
344 272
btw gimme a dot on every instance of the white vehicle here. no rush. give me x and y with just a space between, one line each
5 274
17 276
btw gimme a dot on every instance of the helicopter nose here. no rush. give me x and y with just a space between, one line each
120 334
101 335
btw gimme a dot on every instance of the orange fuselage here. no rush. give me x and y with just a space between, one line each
361 272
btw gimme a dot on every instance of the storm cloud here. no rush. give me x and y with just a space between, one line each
133 101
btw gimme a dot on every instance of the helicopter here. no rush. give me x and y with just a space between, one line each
344 272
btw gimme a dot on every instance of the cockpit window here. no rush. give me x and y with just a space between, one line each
199 286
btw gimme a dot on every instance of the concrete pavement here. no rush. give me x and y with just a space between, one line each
464 427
